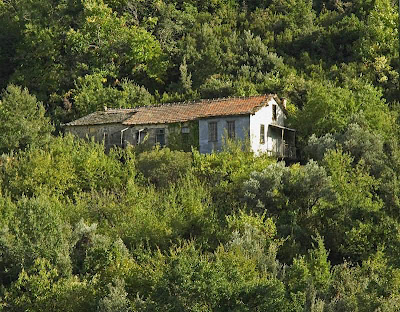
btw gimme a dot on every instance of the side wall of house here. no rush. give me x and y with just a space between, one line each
109 133
121 135
242 126
147 134
264 117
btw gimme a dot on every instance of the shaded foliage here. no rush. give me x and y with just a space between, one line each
166 230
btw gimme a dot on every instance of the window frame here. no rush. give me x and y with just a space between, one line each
212 131
262 134
141 136
160 132
231 127
274 112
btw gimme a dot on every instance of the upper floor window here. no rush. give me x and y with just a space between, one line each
231 129
274 112
212 132
160 136
262 134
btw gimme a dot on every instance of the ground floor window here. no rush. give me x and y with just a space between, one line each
212 132
160 136
262 134
140 136
231 129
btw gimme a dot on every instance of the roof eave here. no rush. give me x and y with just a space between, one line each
279 102
126 123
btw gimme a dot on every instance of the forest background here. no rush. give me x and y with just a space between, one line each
166 230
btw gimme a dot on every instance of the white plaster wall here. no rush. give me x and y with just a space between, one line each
264 117
242 125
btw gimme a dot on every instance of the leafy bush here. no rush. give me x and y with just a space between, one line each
161 166
66 166
22 120
34 228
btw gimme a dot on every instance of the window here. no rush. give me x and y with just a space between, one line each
231 129
185 135
262 134
274 112
141 136
105 136
212 132
160 136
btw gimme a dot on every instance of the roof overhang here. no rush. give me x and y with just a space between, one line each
281 127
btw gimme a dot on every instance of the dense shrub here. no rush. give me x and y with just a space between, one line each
161 166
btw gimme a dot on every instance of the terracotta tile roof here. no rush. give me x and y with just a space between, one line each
103 117
176 112
181 112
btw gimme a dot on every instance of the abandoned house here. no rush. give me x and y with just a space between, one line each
202 124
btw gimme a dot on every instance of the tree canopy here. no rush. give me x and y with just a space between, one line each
169 229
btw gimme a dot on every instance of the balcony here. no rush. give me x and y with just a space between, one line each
283 150
281 142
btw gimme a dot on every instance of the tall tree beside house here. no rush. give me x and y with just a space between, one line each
51 45
93 92
329 108
22 120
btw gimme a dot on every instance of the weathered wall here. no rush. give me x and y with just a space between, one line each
177 140
130 136
242 125
110 134
264 117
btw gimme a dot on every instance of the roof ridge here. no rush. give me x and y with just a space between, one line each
191 102
118 109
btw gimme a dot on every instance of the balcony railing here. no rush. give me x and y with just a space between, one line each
289 151
284 150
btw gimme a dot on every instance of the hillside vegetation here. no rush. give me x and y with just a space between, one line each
167 230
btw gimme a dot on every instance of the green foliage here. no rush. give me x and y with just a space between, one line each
166 230
49 291
161 166
34 228
205 283
92 94
353 216
116 300
22 120
217 86
66 166
144 215
380 27
224 172
183 141
94 44
255 236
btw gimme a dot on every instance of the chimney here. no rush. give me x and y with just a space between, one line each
105 108
284 102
